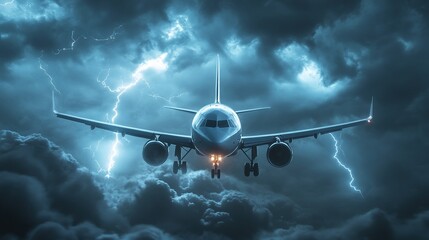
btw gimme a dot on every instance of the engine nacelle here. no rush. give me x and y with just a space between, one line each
155 152
279 154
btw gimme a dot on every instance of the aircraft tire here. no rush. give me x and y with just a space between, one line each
184 168
218 173
256 170
247 169
213 173
175 167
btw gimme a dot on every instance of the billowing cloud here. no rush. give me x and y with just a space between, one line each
313 63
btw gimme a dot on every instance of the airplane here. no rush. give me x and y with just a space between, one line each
215 133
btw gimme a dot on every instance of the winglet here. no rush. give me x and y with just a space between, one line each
371 110
53 103
217 90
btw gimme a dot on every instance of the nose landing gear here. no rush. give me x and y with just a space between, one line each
216 159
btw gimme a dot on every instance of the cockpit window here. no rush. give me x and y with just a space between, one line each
220 124
223 124
202 123
211 123
231 123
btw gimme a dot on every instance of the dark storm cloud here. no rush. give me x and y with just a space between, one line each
275 23
170 204
41 183
47 195
116 12
10 46
361 49
188 214
374 224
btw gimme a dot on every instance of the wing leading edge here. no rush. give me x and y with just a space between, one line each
249 141
177 139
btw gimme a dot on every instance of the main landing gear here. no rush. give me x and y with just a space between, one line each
179 164
216 159
251 167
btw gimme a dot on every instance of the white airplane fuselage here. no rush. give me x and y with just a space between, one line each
216 130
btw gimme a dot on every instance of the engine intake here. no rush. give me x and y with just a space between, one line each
279 154
155 152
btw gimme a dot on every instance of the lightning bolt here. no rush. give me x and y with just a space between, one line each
157 63
93 154
352 179
71 48
120 90
51 80
112 36
169 99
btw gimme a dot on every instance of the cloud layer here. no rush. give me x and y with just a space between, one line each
46 194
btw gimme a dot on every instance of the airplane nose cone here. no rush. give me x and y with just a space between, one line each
215 137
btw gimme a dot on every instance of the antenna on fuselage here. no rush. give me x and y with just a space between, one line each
217 89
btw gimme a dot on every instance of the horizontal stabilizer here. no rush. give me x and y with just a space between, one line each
182 109
252 110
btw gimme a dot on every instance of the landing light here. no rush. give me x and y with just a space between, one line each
215 158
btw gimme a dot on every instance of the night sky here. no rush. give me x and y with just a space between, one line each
314 62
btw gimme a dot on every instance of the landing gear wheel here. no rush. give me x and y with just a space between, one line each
247 169
175 167
255 169
183 167
213 173
218 173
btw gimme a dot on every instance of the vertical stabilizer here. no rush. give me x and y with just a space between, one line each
217 90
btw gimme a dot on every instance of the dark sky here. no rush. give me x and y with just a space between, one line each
313 62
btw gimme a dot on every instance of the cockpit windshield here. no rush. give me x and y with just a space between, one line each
220 123
210 123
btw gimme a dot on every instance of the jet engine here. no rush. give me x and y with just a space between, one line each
155 152
279 154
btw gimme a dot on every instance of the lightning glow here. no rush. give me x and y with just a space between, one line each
352 179
93 154
157 63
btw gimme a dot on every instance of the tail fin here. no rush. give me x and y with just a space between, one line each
217 90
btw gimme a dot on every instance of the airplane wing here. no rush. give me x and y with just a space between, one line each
251 110
181 140
249 141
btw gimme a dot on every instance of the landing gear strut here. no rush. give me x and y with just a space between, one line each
215 170
179 164
251 167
